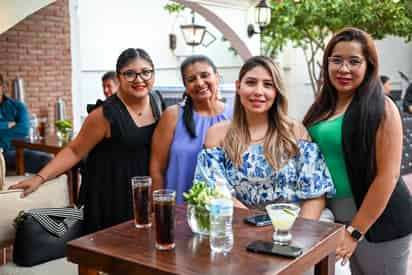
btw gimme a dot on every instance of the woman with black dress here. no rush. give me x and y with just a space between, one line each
117 138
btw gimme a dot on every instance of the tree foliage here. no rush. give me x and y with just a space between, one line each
174 8
308 23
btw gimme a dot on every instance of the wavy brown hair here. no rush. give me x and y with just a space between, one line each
279 141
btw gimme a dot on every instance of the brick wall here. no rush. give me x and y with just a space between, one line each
38 50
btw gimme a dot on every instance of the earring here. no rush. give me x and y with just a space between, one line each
184 100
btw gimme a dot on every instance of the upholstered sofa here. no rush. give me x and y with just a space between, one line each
54 193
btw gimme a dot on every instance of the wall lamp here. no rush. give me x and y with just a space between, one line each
262 18
194 34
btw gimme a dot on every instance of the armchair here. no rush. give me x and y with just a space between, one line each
54 193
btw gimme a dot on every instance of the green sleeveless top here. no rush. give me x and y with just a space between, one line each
328 135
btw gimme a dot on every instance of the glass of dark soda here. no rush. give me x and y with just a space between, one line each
164 201
141 190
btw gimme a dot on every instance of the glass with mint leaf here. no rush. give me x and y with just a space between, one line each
198 200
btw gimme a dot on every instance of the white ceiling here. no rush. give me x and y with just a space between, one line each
12 11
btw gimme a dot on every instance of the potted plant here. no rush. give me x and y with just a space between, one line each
64 129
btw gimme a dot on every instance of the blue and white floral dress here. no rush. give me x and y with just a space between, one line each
256 183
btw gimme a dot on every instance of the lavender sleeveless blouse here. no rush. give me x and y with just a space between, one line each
184 150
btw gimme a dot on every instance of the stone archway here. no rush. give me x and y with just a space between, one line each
237 43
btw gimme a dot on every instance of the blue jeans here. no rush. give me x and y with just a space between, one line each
34 161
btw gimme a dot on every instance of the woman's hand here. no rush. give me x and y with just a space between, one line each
29 185
11 124
346 248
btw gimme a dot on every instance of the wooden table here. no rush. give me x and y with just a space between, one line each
52 145
123 249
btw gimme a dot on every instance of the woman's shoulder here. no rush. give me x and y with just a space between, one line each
171 114
299 131
172 111
391 109
168 119
216 134
392 118
96 119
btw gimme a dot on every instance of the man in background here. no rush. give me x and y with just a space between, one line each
387 87
110 85
15 124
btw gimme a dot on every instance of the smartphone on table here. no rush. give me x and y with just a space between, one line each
258 220
274 249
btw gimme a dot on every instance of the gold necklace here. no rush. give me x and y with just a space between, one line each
257 140
132 112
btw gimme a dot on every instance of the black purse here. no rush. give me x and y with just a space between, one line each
42 234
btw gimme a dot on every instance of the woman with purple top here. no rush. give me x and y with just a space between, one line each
181 132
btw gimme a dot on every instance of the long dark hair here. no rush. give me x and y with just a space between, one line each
188 106
129 55
370 88
369 93
368 103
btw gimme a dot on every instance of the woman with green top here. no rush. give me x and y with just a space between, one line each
359 132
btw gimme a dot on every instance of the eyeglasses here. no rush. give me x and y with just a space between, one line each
131 76
352 64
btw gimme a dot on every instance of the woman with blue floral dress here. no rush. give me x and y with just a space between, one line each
263 155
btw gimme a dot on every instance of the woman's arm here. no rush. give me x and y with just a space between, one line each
94 129
216 134
161 141
389 135
312 208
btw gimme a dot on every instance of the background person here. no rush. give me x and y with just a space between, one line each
262 155
110 84
407 100
118 136
355 125
15 124
181 132
387 86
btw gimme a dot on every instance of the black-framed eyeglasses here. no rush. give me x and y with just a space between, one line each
131 75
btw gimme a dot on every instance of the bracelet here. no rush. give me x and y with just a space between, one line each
43 178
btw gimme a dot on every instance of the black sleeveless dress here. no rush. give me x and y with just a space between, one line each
106 183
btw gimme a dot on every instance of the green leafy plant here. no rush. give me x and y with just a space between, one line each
174 8
64 126
308 24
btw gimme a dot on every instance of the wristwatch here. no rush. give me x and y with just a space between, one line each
354 233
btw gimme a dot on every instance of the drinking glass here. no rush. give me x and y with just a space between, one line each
282 215
141 189
164 201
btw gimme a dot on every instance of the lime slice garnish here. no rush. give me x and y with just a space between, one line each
288 211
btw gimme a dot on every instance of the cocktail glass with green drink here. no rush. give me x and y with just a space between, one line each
282 215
